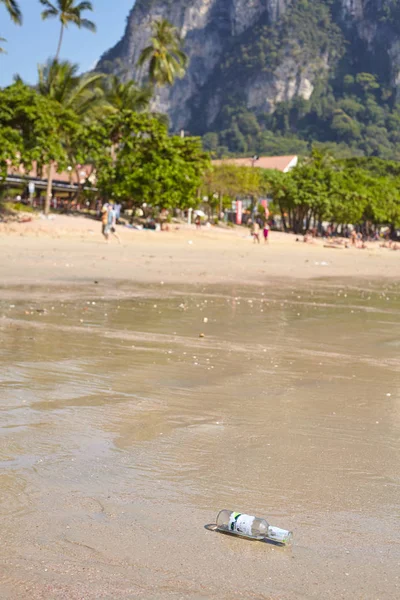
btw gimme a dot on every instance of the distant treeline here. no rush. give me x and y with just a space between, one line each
357 191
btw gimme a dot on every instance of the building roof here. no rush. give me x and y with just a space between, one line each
279 163
62 180
65 176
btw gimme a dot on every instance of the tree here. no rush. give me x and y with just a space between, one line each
234 139
146 165
344 127
79 94
367 82
349 194
67 12
11 144
227 181
59 80
211 142
165 56
128 95
31 126
13 10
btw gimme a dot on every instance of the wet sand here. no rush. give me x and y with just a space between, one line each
123 432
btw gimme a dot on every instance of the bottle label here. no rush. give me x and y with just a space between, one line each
239 523
279 535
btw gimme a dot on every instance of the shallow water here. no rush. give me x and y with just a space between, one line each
122 434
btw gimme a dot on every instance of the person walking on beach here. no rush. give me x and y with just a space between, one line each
109 220
117 208
266 232
104 220
255 232
112 221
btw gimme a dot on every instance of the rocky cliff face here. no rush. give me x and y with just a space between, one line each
255 53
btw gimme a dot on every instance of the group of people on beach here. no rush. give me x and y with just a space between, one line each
256 231
355 239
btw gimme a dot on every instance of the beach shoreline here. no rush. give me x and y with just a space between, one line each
71 251
147 385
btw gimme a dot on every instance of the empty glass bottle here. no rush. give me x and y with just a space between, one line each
252 527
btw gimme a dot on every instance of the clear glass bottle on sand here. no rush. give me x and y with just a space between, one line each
251 527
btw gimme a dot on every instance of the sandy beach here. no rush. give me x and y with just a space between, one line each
71 249
145 386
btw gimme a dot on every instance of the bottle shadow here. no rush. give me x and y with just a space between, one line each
213 527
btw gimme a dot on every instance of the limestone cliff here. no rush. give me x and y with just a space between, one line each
257 53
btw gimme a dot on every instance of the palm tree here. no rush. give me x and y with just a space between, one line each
15 13
60 81
79 93
67 12
124 96
13 10
128 95
165 56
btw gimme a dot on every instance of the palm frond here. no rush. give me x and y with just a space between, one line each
86 24
145 55
47 14
13 9
60 81
49 5
85 6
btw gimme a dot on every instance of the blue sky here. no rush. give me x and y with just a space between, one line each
36 40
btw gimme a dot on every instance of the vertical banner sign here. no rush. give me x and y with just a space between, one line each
239 212
264 203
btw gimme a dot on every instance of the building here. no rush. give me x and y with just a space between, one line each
63 182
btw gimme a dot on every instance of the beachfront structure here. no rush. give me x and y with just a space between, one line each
67 181
277 163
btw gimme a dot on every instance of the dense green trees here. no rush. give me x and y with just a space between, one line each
146 165
357 119
354 108
320 189
80 94
69 119
134 158
339 191
30 127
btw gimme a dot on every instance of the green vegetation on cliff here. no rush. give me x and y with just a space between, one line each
353 109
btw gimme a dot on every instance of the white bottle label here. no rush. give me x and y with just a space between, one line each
239 523
279 535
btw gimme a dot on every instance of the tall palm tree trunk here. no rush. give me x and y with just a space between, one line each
60 41
49 191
